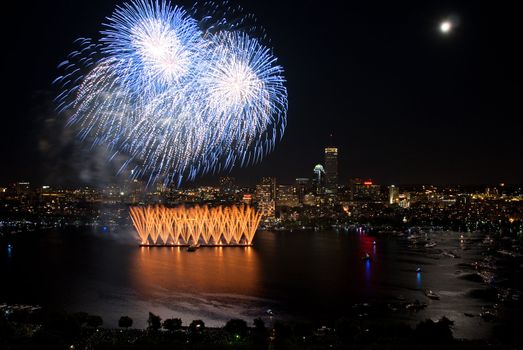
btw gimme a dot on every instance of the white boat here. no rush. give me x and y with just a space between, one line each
193 247
430 294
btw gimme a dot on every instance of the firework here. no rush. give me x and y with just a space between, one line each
160 225
179 96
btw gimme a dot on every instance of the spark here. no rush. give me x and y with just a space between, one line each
160 225
179 96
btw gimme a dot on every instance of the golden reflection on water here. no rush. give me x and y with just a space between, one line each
230 270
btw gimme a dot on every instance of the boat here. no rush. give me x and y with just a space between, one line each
430 294
193 247
450 255
367 257
418 270
487 276
416 306
430 245
373 242
270 312
488 315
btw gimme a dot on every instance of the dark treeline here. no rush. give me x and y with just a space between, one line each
54 330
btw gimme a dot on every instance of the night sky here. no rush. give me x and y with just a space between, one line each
406 104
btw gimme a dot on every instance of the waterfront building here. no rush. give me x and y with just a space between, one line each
265 196
247 198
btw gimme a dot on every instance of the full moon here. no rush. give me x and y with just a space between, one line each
445 27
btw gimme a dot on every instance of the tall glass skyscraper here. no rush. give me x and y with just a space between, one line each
331 170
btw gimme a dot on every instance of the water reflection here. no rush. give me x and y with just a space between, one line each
367 270
308 275
227 270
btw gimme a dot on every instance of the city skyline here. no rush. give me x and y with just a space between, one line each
260 175
394 125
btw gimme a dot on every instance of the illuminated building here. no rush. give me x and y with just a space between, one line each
136 191
247 198
270 183
227 184
364 190
287 196
302 187
331 170
22 188
218 226
394 193
311 199
265 196
404 200
318 179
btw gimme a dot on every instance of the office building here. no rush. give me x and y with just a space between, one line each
394 193
331 170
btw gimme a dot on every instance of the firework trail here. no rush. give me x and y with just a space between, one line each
179 93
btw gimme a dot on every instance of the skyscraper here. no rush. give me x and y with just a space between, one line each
331 170
302 187
394 193
319 179
287 196
265 196
270 182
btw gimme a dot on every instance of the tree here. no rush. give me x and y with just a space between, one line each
282 330
94 321
303 329
125 322
260 335
172 324
154 322
259 325
81 317
430 332
236 327
197 326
